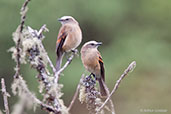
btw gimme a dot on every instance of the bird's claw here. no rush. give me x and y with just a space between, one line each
75 51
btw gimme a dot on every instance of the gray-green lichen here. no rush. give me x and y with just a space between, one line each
31 50
89 95
27 99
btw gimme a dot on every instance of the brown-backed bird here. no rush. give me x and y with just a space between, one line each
69 38
93 63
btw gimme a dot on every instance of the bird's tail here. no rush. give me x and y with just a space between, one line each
59 61
103 90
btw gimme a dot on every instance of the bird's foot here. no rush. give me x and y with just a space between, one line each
93 75
94 78
75 51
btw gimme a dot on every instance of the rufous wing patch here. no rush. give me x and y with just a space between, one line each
101 67
60 40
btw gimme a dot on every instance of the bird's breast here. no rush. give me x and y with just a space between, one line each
90 62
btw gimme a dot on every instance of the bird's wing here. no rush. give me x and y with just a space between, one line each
101 66
61 39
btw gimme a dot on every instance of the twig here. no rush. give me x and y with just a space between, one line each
23 15
21 26
5 96
76 93
112 106
57 74
130 68
49 61
43 28
51 64
47 107
111 102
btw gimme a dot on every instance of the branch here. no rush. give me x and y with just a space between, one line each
48 108
43 28
57 74
5 96
20 29
111 102
129 69
41 67
38 58
51 64
76 93
39 35
21 88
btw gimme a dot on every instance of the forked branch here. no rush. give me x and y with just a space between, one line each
57 74
129 69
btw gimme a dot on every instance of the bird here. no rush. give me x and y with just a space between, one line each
69 38
93 63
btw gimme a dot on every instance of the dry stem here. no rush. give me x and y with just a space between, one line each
57 74
111 102
130 68
76 93
5 96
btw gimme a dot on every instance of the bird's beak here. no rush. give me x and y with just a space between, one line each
99 43
59 19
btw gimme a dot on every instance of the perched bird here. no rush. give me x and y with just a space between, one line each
93 63
69 38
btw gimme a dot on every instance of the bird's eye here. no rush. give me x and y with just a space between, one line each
67 19
92 44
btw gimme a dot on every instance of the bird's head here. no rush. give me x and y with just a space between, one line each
92 45
67 20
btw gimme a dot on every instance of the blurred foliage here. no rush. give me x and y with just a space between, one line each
129 29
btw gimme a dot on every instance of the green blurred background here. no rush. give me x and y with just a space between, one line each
130 30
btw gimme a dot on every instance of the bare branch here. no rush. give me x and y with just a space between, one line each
57 74
76 93
49 61
43 28
51 64
111 102
23 15
129 69
5 96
